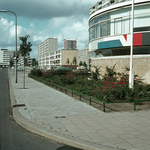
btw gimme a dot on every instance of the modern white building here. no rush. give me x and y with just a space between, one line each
110 27
110 35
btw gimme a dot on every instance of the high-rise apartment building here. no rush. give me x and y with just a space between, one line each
70 44
45 48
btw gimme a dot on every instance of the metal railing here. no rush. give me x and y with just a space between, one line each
81 94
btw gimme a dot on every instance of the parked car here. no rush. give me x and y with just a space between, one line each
64 68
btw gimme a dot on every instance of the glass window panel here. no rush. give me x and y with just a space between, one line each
92 54
92 22
105 28
118 26
92 35
97 31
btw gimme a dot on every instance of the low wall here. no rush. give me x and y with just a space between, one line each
141 64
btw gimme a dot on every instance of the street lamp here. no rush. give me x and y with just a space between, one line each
5 11
131 50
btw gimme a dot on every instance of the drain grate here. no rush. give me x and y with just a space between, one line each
19 105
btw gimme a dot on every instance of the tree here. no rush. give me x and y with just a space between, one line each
36 63
67 62
80 64
84 64
25 48
74 61
95 75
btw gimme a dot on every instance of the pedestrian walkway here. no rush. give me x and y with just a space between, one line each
55 115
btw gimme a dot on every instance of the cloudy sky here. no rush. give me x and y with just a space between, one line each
41 19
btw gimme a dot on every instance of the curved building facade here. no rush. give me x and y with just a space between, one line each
110 28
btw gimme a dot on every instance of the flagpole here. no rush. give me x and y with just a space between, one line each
131 49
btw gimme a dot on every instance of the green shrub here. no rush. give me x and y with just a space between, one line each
111 87
110 71
33 72
69 78
36 72
95 75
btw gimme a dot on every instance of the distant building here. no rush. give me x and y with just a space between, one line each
5 55
30 61
49 56
70 44
83 55
45 48
59 58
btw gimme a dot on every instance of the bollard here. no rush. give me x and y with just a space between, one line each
72 93
90 100
103 107
134 106
80 97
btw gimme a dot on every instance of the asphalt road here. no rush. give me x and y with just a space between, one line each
13 136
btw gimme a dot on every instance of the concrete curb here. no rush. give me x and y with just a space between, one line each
71 141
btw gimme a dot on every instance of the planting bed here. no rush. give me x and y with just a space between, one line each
111 87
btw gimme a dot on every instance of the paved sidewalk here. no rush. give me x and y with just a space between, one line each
55 115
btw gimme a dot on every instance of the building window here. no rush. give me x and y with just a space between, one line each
122 51
92 54
92 33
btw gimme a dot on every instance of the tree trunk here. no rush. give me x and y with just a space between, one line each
24 74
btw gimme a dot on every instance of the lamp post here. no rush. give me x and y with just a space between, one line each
5 11
131 49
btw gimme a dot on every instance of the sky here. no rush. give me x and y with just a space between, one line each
42 19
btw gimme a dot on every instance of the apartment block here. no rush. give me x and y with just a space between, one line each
49 56
45 48
5 55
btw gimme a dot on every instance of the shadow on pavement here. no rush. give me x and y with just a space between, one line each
67 148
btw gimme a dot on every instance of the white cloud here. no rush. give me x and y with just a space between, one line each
47 9
31 25
69 22
57 28
70 28
79 31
